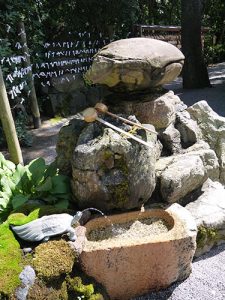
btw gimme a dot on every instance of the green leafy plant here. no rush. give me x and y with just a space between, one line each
19 184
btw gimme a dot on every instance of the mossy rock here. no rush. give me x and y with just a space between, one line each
53 259
76 288
11 260
41 291
206 235
69 288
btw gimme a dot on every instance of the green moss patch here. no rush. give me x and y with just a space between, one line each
206 235
10 260
53 259
76 289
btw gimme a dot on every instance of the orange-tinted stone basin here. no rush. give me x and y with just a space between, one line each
133 267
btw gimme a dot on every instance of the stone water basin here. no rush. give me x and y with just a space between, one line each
140 258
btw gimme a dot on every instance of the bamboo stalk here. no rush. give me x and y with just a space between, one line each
100 107
90 115
8 125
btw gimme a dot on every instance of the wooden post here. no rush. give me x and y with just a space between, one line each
8 125
27 64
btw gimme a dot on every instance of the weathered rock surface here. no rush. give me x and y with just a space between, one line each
213 130
111 172
135 266
66 143
136 64
179 175
27 277
190 133
209 213
170 138
159 110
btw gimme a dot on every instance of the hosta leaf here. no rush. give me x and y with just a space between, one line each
62 204
18 174
3 203
60 184
51 170
19 200
7 185
10 165
37 169
5 195
45 186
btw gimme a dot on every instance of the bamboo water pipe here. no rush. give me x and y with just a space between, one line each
90 115
102 108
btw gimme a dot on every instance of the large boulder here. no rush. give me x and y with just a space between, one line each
209 213
213 130
136 64
181 174
112 172
156 109
66 143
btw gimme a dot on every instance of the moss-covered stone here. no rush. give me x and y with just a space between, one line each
10 261
70 288
206 235
76 288
41 291
120 193
53 259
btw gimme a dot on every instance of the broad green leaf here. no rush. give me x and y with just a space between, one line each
60 184
51 169
5 195
37 169
7 185
10 165
18 174
3 203
62 204
45 186
19 200
2 159
66 196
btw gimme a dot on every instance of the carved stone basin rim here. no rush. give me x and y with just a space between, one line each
136 266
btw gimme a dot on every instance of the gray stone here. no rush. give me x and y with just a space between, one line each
160 110
181 174
209 213
190 133
27 277
170 139
112 172
213 131
66 143
136 64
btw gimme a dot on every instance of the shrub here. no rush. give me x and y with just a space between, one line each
19 184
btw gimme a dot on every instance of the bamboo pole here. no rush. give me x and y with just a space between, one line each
8 125
27 63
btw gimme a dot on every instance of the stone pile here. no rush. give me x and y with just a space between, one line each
111 172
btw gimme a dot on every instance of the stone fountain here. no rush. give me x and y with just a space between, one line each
112 172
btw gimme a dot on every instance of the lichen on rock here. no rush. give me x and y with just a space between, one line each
105 173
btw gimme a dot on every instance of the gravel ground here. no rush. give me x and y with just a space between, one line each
206 282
